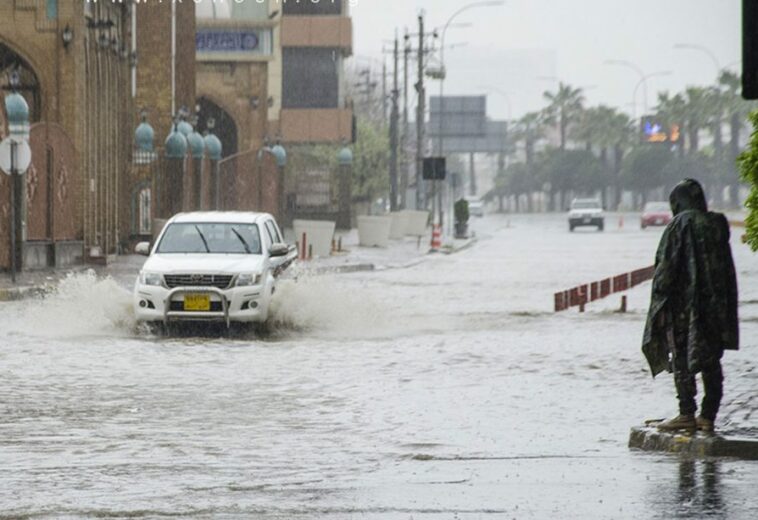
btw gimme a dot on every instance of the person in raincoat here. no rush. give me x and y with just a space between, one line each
693 308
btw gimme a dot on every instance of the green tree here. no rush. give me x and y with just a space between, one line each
570 171
672 111
748 164
737 110
644 168
370 162
564 109
698 109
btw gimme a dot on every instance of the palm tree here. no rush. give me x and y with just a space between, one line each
715 108
672 110
599 127
697 110
621 133
565 108
530 129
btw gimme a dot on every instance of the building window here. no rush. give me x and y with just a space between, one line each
310 78
311 8
144 213
52 9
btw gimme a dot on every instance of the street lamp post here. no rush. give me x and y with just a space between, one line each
629 64
473 5
703 49
644 81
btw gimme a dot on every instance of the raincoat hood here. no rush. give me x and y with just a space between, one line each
687 195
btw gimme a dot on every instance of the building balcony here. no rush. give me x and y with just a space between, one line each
318 31
329 125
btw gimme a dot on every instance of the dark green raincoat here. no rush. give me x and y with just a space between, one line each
694 297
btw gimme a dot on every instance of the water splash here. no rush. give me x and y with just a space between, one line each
81 305
319 304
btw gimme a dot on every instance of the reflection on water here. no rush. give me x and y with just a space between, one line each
696 493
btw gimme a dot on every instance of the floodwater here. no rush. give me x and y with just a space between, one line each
447 390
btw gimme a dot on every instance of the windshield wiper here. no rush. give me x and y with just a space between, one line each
205 242
244 242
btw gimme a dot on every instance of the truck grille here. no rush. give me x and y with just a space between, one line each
220 281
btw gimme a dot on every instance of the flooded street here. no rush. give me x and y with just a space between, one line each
446 390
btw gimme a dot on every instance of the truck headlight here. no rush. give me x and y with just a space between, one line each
147 278
245 280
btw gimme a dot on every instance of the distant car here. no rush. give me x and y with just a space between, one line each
213 266
656 214
475 207
586 212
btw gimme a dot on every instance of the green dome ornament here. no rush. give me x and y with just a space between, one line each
213 147
17 110
185 128
280 154
212 143
345 157
196 145
144 136
176 144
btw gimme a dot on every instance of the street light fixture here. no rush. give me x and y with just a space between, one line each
67 36
629 64
660 73
473 5
701 48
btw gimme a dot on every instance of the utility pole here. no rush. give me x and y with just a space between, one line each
420 116
404 135
394 123
384 91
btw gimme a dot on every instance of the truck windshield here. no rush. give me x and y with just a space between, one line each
214 238
585 204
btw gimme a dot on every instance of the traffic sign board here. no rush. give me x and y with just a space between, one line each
23 155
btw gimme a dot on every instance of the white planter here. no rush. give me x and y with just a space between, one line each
374 231
416 222
318 235
399 226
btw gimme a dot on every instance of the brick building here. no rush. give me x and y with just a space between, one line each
74 61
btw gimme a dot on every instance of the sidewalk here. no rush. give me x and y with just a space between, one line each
354 258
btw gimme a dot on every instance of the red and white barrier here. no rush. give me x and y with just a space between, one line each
583 294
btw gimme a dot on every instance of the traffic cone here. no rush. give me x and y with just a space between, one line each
436 237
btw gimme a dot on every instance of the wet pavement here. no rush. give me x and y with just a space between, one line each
443 390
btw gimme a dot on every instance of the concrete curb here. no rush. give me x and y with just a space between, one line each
466 245
341 269
8 294
696 445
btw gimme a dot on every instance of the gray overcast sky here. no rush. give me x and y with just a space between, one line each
509 46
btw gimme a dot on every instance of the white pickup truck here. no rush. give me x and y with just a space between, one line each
215 266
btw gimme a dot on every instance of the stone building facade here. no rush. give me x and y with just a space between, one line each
74 62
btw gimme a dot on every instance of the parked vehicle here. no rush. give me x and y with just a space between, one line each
586 212
656 214
475 207
214 266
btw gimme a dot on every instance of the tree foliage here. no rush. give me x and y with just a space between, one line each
748 164
571 170
370 162
644 167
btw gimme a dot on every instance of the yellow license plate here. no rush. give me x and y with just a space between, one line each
197 302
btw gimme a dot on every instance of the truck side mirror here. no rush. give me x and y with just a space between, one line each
142 248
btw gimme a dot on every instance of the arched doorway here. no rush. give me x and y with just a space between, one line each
225 126
29 84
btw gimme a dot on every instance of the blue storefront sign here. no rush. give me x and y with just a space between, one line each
227 41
